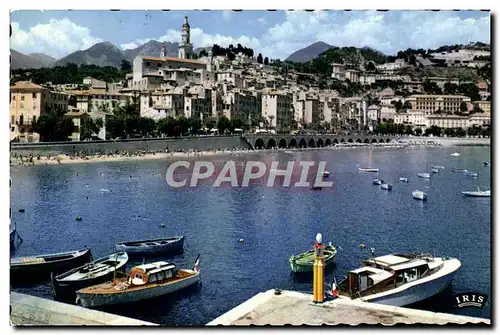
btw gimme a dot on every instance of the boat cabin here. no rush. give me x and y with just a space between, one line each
152 273
387 272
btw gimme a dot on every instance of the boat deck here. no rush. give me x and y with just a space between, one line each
294 308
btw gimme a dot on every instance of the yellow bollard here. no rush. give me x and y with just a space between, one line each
318 271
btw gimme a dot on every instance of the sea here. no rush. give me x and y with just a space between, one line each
245 236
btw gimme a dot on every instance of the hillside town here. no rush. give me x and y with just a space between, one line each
214 93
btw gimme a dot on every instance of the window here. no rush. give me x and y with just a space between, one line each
34 119
21 119
13 119
158 65
13 98
22 105
22 97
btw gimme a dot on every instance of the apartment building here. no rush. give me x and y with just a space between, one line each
100 100
158 105
433 103
28 101
277 108
413 118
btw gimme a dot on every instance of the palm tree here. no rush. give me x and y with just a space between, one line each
271 118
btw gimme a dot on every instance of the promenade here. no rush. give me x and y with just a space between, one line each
296 309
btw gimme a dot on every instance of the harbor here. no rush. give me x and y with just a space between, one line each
119 203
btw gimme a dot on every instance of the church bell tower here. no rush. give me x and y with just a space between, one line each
185 47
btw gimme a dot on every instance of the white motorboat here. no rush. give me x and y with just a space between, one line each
435 171
459 170
455 154
424 175
486 163
439 167
378 181
403 179
399 280
471 174
386 186
419 195
477 193
365 169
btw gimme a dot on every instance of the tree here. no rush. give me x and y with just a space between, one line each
418 131
408 130
54 127
259 58
463 107
89 127
222 124
460 132
266 61
449 132
194 125
271 118
398 105
370 66
146 126
168 126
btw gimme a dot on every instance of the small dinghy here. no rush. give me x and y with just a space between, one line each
424 175
326 174
477 193
403 179
365 169
144 282
419 195
486 163
378 181
455 154
157 246
459 170
99 271
304 262
439 167
386 187
471 174
435 171
316 188
41 266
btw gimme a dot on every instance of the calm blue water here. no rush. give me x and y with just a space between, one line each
274 222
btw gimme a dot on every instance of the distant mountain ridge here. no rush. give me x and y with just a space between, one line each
19 60
308 53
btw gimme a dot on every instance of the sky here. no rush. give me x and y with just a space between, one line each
274 34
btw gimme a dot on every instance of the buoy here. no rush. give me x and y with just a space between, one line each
78 218
130 176
138 216
362 245
162 225
21 210
87 198
241 240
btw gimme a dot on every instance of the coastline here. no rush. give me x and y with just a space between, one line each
140 156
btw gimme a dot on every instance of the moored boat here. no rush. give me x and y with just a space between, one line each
478 193
99 271
12 236
144 282
326 174
40 267
403 179
386 186
377 181
424 175
471 174
366 169
439 167
304 262
455 154
419 195
157 246
486 163
398 279
459 170
435 170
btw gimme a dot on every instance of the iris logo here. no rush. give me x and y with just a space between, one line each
470 299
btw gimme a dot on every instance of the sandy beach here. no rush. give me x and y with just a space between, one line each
142 155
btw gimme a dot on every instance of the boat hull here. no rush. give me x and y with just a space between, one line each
414 293
42 271
12 238
476 195
93 300
301 267
173 246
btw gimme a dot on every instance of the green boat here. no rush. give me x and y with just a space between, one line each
305 261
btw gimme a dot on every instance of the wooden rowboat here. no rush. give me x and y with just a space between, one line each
162 245
99 271
304 262
36 268
144 282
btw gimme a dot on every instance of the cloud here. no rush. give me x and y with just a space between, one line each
56 38
385 31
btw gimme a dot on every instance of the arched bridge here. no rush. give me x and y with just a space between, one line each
267 141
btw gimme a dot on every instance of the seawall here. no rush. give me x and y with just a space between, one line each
132 145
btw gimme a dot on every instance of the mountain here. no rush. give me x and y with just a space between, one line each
21 61
152 48
102 54
44 59
308 53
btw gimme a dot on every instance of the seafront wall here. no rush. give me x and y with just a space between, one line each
133 145
450 141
